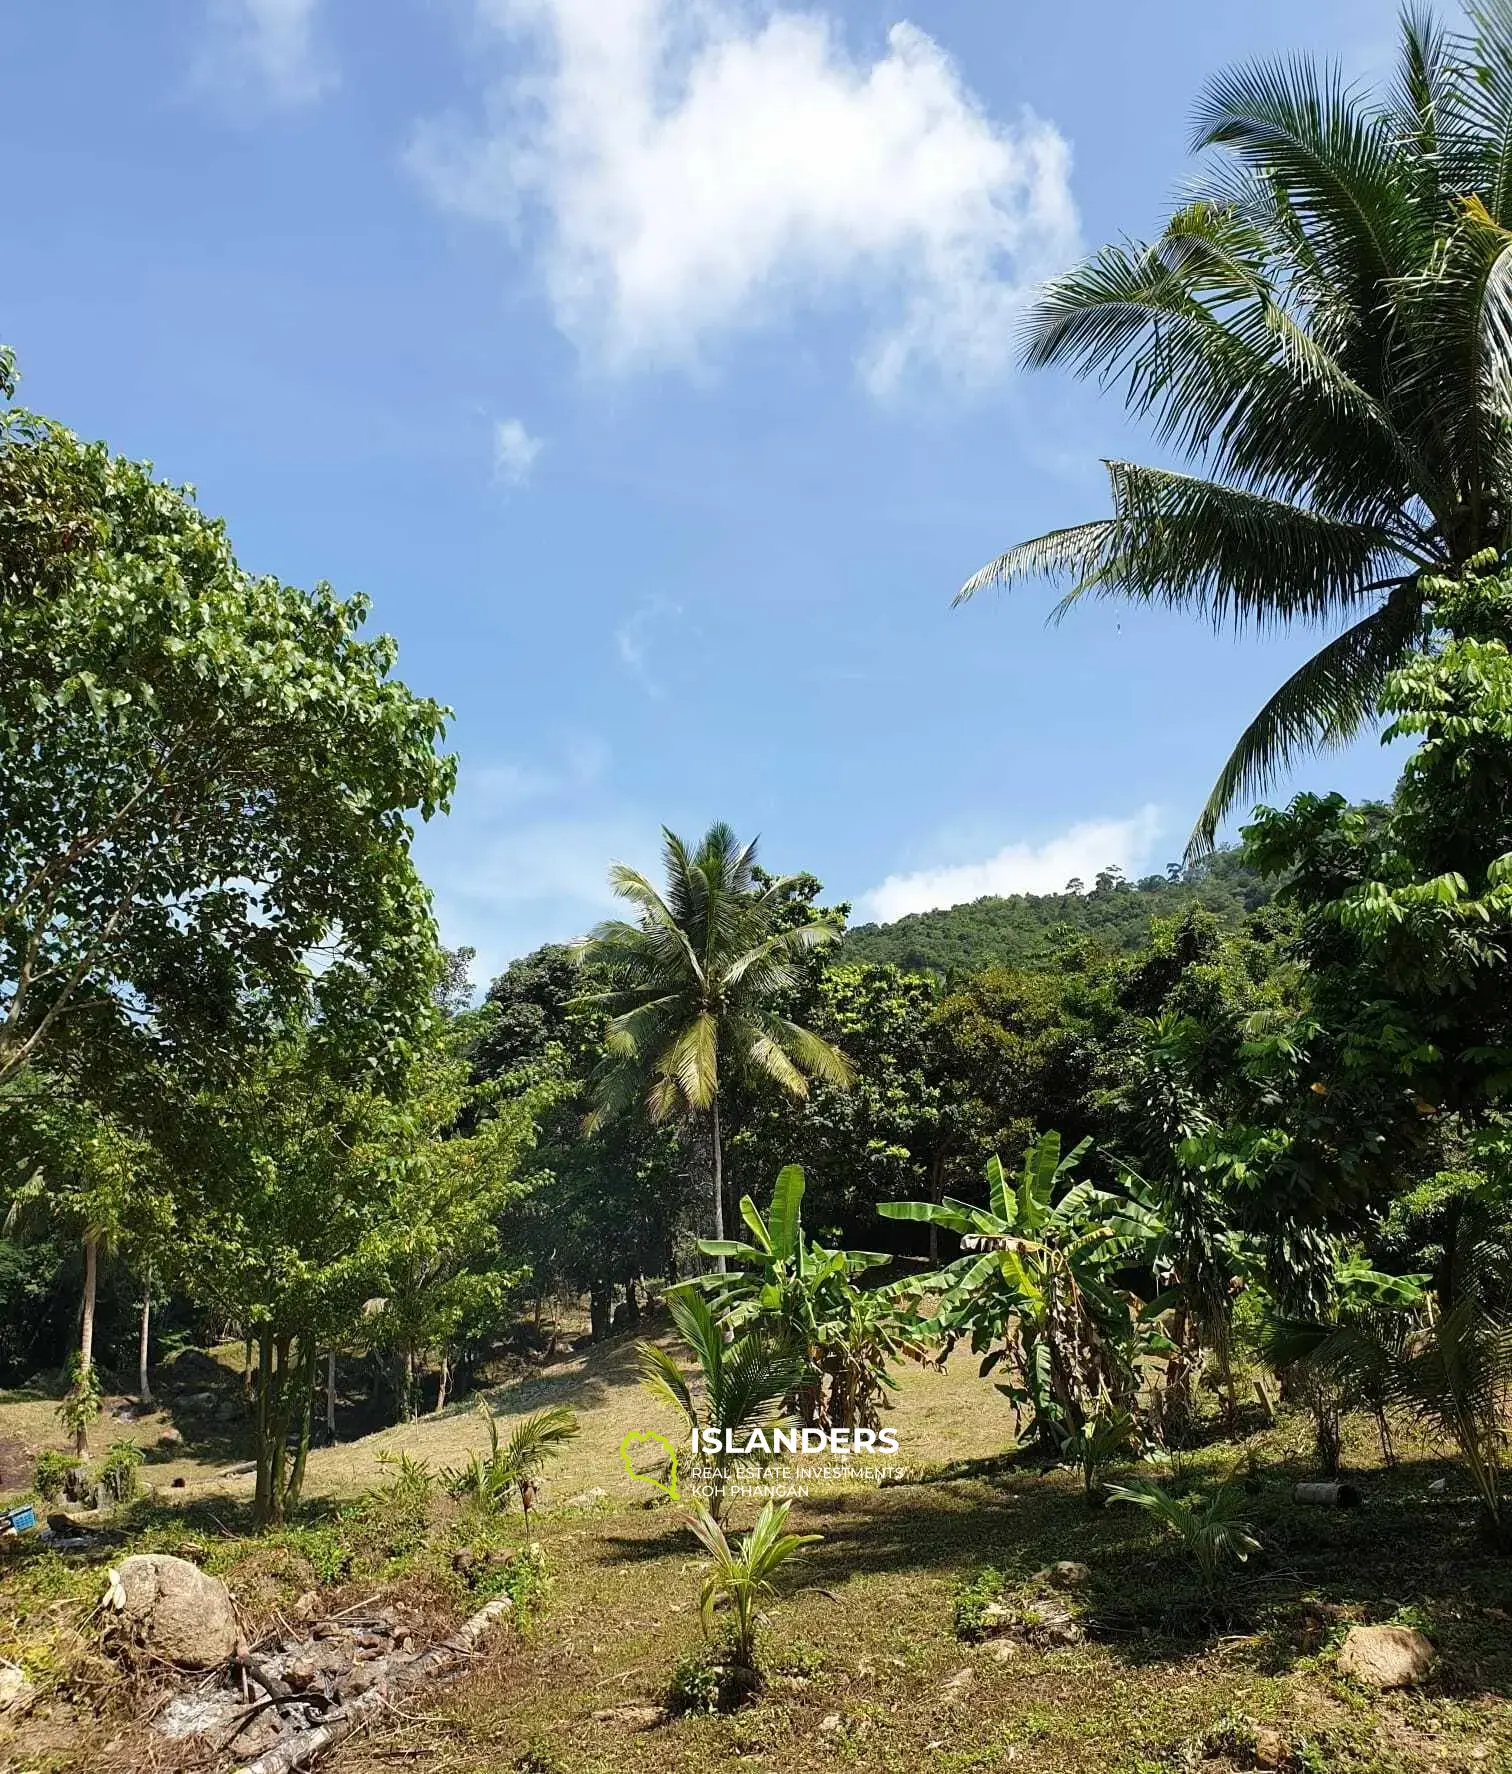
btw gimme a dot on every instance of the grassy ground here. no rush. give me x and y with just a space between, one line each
871 1673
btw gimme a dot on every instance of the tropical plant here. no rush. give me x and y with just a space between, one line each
81 1404
742 1383
803 1292
1034 1282
1350 1356
691 988
50 1474
1210 1527
740 1574
205 777
512 1467
1102 1439
118 1470
1325 329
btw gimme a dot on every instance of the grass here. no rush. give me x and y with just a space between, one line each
873 1674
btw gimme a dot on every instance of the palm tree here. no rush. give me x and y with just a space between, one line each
743 1382
1324 332
690 991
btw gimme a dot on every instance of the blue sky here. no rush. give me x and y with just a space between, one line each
649 364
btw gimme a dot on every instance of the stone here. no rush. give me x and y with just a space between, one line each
1001 1650
1271 1748
1385 1656
1067 1573
830 1724
170 1438
959 1682
173 1611
16 1690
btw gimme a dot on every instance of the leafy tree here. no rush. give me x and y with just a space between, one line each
284 1241
204 781
436 1244
1406 923
689 988
1324 329
94 1181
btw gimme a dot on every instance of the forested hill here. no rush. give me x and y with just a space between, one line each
1025 928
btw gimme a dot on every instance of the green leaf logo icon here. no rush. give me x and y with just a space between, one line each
638 1438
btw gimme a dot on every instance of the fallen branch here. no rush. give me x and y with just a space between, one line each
301 1750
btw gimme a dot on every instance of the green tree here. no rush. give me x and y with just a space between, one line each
1406 925
204 782
1325 331
689 991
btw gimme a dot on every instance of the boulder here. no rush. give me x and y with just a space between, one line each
173 1611
1385 1656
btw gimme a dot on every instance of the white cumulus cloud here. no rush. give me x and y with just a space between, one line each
267 46
515 451
692 169
1078 853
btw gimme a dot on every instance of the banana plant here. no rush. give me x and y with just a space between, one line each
1033 1286
806 1293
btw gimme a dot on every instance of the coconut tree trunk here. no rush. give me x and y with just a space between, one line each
144 1339
716 1175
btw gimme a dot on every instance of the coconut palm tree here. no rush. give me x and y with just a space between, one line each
691 990
1324 333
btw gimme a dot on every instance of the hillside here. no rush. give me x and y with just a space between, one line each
1025 928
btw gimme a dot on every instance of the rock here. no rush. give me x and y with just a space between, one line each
830 1724
959 1683
1001 1650
1385 1656
16 1690
587 1499
174 1611
198 1401
170 1438
227 1411
1066 1574
1271 1748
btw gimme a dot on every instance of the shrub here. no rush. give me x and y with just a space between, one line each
118 1473
51 1474
697 1685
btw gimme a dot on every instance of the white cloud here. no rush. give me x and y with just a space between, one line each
700 168
633 643
515 451
267 46
1019 868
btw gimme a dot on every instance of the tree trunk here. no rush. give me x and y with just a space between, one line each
600 1299
441 1384
304 1402
331 1395
144 1339
936 1190
716 1176
86 1331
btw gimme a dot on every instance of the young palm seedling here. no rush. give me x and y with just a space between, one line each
513 1466
739 1574
1209 1527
